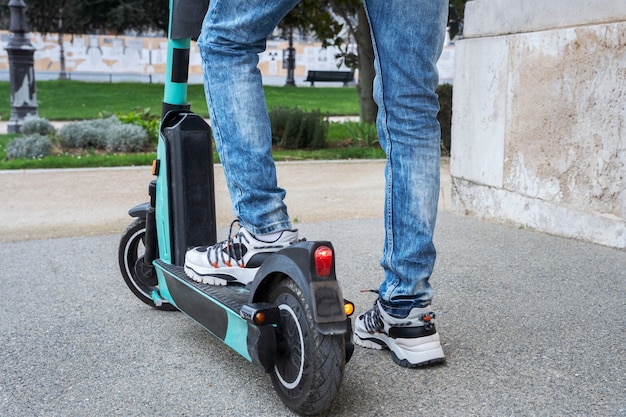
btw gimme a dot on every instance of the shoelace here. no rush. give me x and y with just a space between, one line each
229 249
372 320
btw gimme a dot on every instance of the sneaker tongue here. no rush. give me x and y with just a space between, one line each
236 251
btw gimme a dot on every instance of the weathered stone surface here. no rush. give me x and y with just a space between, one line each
538 132
566 138
502 17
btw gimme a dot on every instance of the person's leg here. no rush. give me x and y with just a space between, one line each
408 38
233 33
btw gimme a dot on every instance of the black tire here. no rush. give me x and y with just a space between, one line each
140 278
309 365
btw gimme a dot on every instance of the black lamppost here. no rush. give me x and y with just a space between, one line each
291 60
21 68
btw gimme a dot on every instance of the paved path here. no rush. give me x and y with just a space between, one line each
37 204
532 325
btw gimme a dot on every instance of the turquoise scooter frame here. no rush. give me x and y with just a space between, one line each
291 320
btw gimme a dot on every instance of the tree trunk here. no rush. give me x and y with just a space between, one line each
365 50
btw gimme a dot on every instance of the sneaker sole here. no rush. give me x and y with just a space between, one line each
240 275
414 355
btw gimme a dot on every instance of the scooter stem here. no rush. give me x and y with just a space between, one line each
186 18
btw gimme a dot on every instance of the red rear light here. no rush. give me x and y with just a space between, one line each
323 261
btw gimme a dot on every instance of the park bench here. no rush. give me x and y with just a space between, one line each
330 76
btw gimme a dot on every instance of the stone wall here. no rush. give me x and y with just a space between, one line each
146 56
539 132
104 54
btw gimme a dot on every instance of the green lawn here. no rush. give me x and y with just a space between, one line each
75 100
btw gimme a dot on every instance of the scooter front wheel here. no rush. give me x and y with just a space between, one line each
139 277
309 365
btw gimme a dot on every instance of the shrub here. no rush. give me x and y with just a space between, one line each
143 118
31 147
35 124
278 120
293 128
444 116
87 133
126 138
363 132
315 129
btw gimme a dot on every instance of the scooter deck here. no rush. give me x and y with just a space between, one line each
217 309
233 296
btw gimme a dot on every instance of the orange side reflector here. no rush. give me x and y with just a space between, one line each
259 318
348 308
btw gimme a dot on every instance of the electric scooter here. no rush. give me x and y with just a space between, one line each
292 319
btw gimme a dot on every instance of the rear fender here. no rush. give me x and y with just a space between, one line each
322 293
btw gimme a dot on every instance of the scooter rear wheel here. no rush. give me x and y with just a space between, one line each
309 366
140 278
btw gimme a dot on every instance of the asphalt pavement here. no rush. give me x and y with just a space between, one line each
531 324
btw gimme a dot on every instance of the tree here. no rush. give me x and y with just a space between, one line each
5 14
332 20
54 17
96 16
456 11
304 18
340 23
135 15
91 16
353 14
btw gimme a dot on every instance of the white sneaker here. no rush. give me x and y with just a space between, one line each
236 259
413 340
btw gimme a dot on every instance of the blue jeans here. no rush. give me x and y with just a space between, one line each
408 37
233 33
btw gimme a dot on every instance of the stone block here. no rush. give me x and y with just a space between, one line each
539 131
503 17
